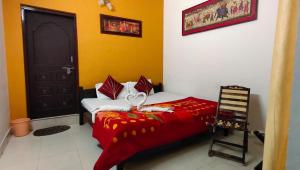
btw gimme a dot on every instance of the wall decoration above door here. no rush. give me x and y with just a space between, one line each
120 26
107 3
214 14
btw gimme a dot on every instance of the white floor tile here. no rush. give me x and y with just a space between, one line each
66 161
23 166
21 151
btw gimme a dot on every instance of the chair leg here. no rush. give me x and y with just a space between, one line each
210 153
246 134
245 146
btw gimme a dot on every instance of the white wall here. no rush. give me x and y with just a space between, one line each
4 109
241 54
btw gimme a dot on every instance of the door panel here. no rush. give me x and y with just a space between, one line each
51 57
48 50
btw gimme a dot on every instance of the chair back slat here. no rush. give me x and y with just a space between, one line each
233 108
233 96
233 102
235 91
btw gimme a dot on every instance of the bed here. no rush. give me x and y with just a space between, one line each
124 135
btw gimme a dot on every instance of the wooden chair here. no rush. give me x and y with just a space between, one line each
232 114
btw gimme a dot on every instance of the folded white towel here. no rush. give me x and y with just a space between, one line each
110 108
156 109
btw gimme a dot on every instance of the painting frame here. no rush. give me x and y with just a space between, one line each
229 22
135 31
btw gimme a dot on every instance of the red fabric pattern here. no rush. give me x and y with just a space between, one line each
111 88
143 85
123 134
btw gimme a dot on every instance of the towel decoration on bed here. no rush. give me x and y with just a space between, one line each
140 105
130 97
108 108
156 109
113 108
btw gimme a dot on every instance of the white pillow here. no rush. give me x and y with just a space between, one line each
132 90
122 94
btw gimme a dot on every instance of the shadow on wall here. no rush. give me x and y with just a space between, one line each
255 117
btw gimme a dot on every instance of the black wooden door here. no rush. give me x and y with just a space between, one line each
51 63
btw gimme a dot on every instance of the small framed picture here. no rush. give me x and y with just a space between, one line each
120 26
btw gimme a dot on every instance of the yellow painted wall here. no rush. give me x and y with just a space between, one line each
125 58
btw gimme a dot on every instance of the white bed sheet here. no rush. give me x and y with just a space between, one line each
93 104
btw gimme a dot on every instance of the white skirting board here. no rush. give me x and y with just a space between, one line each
55 121
4 141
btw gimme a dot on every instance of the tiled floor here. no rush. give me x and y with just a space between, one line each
75 149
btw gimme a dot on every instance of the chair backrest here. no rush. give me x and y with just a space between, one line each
234 104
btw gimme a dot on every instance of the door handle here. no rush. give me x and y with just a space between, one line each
68 69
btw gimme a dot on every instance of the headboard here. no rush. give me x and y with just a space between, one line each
91 93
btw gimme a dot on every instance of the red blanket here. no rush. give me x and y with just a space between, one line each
123 134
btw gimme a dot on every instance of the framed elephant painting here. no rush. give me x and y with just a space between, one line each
214 14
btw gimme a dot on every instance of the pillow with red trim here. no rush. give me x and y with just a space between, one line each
111 88
143 85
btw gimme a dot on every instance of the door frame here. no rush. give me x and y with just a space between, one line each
25 8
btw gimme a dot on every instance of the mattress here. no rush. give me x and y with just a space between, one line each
93 104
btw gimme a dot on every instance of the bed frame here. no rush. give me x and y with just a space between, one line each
91 93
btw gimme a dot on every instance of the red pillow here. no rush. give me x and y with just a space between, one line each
143 85
111 88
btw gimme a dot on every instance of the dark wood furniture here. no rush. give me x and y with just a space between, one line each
232 113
